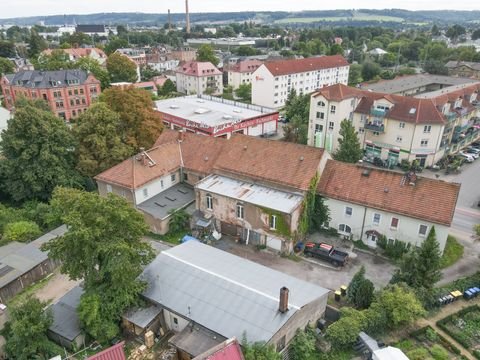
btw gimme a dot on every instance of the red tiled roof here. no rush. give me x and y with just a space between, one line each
245 66
292 66
113 353
79 52
228 350
339 92
430 200
196 68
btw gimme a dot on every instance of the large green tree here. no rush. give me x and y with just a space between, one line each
344 332
99 140
244 92
140 125
205 53
297 110
121 68
349 149
56 60
167 88
38 151
36 44
90 65
104 247
370 70
6 66
259 351
26 331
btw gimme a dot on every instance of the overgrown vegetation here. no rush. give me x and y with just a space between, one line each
452 253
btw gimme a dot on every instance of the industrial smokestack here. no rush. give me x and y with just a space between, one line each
188 16
283 305
169 21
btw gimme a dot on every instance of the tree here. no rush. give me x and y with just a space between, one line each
7 49
6 66
121 68
91 65
320 216
167 88
147 73
114 44
435 31
476 34
370 70
355 283
336 49
355 74
99 140
259 351
303 346
245 51
344 332
455 32
244 92
21 231
435 67
349 149
57 60
364 294
104 247
36 44
476 228
205 53
140 126
26 331
38 155
297 109
179 220
39 104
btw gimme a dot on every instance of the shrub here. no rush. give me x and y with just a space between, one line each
431 334
395 249
21 231
418 354
439 353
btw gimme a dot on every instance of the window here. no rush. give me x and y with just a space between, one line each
173 177
273 222
175 321
145 192
161 183
109 188
399 139
75 91
320 115
376 219
185 177
424 142
394 223
376 133
427 128
209 202
321 104
348 211
401 125
361 130
318 128
240 211
331 124
344 228
333 108
422 230
81 91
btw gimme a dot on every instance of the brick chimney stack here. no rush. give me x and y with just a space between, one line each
283 305
187 13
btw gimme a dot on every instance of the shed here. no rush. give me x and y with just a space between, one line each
138 321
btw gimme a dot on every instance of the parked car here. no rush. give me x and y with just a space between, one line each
283 119
379 162
326 252
471 152
468 157
474 149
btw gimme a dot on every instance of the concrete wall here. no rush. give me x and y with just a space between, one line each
104 189
156 186
362 217
169 318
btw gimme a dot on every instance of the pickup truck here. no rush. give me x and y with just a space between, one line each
326 252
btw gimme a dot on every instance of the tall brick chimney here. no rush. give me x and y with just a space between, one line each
187 13
283 305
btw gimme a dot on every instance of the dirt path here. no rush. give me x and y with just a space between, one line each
444 312
57 286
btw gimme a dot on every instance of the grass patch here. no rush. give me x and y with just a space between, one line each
30 290
359 244
170 237
292 257
452 253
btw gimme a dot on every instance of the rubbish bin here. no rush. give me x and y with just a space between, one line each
343 290
338 295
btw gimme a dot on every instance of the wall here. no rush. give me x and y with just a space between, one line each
169 316
156 186
407 230
123 192
157 226
77 343
263 88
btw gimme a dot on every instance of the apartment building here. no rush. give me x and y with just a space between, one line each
196 77
241 72
68 92
393 127
273 81
76 53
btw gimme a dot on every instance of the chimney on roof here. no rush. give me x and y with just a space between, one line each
283 305
187 13
181 136
169 21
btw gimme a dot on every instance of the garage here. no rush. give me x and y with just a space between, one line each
274 243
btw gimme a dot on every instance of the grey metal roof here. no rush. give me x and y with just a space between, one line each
90 28
65 318
17 259
44 79
142 316
176 197
195 339
452 64
223 292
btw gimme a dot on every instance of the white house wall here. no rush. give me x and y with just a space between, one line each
407 230
155 187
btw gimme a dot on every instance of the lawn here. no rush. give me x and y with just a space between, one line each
452 253
170 237
464 326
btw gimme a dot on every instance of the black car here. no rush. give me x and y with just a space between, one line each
326 252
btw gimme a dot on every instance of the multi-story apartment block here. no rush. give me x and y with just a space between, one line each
68 92
196 77
273 81
394 127
76 53
241 72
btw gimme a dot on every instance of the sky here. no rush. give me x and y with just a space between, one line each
22 8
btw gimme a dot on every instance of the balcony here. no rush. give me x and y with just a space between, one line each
451 116
375 126
378 112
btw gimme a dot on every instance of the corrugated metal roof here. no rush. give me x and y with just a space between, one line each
65 318
113 353
223 292
248 192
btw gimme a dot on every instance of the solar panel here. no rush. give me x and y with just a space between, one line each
5 270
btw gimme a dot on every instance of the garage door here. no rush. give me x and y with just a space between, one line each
274 243
228 229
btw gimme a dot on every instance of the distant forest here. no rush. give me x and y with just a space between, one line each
388 17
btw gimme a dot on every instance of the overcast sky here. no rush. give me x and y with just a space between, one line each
20 8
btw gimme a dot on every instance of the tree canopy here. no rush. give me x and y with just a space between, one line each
99 140
90 65
56 60
297 110
38 150
349 149
205 53
6 66
104 247
167 88
244 92
259 351
139 124
121 68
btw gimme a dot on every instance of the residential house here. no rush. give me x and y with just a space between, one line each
21 64
378 52
424 128
273 81
182 54
464 69
208 296
196 77
228 350
76 53
65 329
241 73
366 203
68 92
